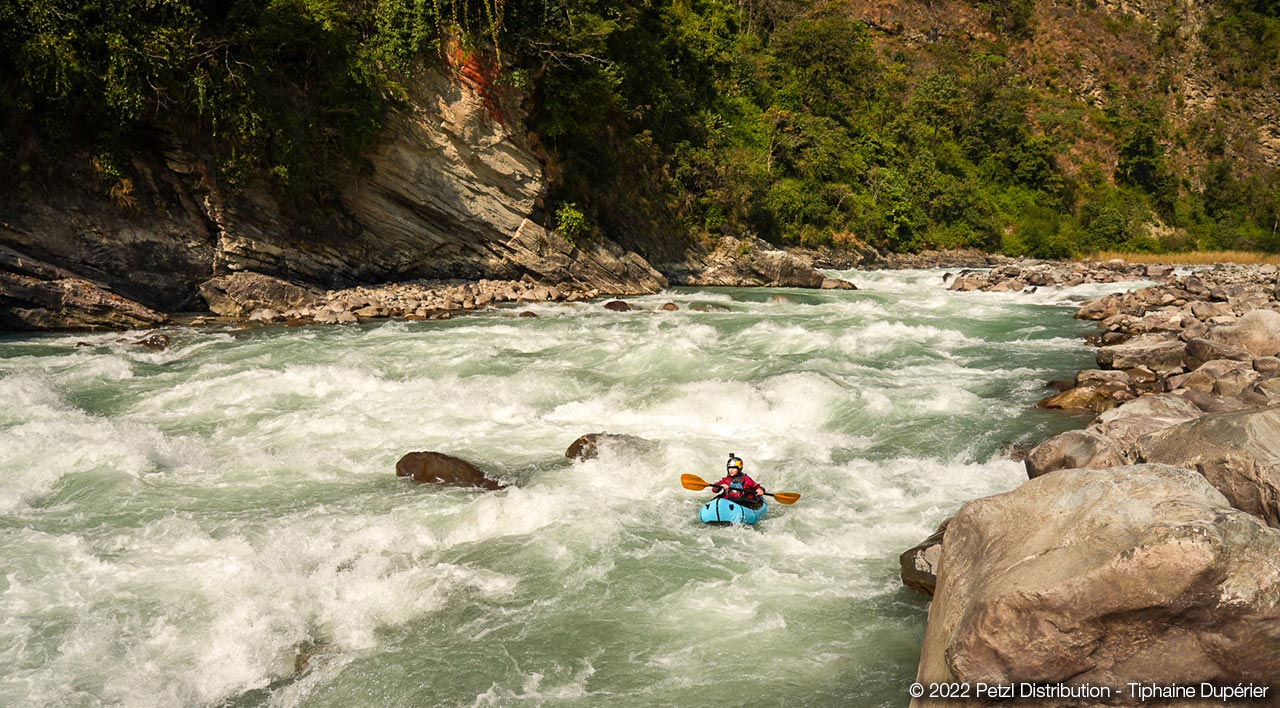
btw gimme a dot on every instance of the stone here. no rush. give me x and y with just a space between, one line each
1099 376
1222 377
1074 449
617 306
1092 397
587 447
1159 352
1238 452
156 342
1257 332
837 284
670 307
439 468
239 294
1266 364
919 565
1208 402
527 313
1144 415
1102 577
748 262
1200 350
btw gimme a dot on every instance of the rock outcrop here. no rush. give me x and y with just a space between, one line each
1103 577
40 296
453 192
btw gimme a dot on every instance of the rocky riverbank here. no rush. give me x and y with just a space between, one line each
1144 546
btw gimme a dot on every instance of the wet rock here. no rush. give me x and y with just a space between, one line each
1074 449
670 307
527 313
588 446
919 565
1238 452
617 306
439 468
1097 397
156 342
1101 576
837 284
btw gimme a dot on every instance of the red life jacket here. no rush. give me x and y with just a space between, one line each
739 487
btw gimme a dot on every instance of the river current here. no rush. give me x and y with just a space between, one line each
219 524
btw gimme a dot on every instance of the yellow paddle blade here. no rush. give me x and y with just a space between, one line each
786 497
693 481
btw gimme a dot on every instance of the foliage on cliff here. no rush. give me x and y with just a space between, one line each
987 125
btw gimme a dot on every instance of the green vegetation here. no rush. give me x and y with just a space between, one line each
779 118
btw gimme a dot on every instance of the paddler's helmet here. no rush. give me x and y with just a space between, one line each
734 465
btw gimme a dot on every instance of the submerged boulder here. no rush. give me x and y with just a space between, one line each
1238 452
588 446
439 468
1142 573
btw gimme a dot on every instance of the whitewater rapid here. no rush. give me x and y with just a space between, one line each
220 523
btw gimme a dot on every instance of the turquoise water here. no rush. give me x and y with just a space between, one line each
220 523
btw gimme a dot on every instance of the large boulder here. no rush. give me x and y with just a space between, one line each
1141 573
239 294
1074 449
1160 352
1144 415
439 468
1200 350
1238 452
920 564
1257 332
1096 397
747 263
1222 377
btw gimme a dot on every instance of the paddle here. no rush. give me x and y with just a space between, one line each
696 483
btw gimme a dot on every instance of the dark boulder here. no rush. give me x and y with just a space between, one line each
617 306
439 468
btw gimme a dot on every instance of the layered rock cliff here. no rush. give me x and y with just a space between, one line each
453 190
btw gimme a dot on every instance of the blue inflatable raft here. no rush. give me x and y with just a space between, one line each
727 511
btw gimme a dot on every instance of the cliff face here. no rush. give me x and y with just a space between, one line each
451 191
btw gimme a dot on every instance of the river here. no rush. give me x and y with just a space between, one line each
219 524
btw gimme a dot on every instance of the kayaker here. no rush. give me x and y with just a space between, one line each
736 484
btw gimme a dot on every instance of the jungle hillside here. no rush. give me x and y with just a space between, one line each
1050 128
